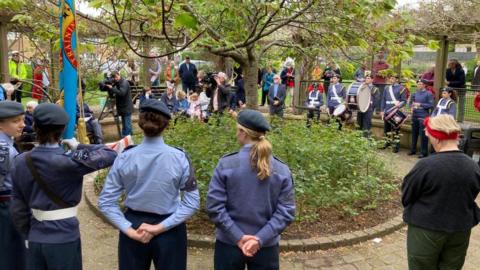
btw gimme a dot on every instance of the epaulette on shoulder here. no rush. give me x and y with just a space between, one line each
230 154
281 161
129 147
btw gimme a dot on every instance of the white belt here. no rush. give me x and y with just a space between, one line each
391 102
64 213
339 99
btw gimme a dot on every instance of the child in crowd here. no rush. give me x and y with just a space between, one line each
183 105
204 102
194 109
146 94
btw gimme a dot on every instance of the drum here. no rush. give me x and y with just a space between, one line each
395 117
358 97
342 112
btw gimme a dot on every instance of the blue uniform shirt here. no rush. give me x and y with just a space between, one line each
332 100
388 101
314 98
241 204
425 98
152 176
7 154
445 106
63 173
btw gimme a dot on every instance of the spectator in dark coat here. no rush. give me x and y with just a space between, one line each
476 77
455 75
276 97
188 74
123 101
220 97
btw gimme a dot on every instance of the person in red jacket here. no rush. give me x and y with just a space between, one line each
38 87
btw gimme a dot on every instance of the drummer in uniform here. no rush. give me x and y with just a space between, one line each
161 194
12 247
47 187
250 199
313 103
420 102
394 96
364 119
336 95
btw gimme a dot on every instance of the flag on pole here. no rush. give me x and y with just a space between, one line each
69 65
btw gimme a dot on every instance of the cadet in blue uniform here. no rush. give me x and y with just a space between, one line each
364 120
394 96
336 93
250 199
47 187
446 105
12 247
313 102
421 102
153 175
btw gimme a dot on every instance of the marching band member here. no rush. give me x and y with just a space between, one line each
12 254
394 96
364 120
421 102
335 96
47 187
446 105
250 199
313 102
153 176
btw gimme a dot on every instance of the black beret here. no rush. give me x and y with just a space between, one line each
253 120
156 106
337 75
10 109
47 114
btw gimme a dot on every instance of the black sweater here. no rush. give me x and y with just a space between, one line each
439 193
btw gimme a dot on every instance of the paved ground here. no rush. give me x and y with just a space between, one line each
100 246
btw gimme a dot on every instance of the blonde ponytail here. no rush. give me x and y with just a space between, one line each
260 154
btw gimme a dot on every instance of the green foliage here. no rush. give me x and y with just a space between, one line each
330 168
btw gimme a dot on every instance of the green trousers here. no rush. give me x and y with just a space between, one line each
435 250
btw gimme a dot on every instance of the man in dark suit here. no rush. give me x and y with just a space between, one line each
476 77
276 97
188 74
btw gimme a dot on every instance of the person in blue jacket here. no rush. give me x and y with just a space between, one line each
153 176
446 105
12 248
421 102
313 103
47 187
250 199
394 96
336 95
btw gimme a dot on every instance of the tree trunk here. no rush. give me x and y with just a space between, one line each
250 79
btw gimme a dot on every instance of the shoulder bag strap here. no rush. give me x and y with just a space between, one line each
50 194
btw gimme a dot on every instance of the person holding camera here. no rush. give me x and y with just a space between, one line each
120 89
220 100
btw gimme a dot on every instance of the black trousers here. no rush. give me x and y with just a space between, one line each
265 98
392 132
64 256
12 245
228 257
364 121
168 250
311 114
418 129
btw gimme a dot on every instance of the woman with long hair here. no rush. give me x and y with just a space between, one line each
250 199
438 196
446 105
153 175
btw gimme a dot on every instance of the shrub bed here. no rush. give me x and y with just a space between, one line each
335 172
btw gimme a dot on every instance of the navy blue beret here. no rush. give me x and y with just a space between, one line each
50 114
253 120
156 106
10 109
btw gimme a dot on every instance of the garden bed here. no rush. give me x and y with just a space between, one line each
341 183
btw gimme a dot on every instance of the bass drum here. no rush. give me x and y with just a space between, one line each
358 97
342 112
